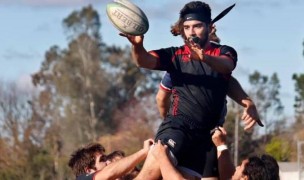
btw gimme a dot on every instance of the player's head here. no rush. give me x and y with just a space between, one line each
194 20
87 159
254 168
115 156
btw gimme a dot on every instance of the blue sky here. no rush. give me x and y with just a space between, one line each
268 35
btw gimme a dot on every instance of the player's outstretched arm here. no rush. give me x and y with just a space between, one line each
250 114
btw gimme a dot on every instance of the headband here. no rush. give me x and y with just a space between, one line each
196 16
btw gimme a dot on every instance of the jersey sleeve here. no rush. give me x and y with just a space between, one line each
229 52
166 83
164 58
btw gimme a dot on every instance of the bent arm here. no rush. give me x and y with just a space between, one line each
168 171
237 93
225 165
121 167
221 64
142 58
250 115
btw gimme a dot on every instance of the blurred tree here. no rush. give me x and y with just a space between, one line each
15 117
22 134
73 84
299 110
73 87
279 149
134 122
86 91
265 92
299 98
82 86
86 21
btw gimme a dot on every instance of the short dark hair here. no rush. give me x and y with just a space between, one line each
272 167
264 167
114 154
85 157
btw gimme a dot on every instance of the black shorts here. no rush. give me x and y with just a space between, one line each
192 147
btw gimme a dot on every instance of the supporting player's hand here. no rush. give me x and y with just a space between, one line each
147 144
251 116
159 150
219 136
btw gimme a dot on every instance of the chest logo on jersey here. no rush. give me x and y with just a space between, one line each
183 55
186 57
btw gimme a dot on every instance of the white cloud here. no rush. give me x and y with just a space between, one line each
45 27
24 83
12 54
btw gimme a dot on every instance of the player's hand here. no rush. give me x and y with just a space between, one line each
134 40
197 53
159 150
251 116
147 144
219 136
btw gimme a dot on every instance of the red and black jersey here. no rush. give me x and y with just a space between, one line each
199 92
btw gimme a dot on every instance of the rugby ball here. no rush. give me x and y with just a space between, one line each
127 17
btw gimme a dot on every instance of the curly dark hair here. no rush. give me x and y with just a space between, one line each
85 157
191 7
263 167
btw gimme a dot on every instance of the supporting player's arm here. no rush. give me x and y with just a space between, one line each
168 171
225 165
121 167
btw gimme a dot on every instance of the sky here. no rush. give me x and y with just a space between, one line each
268 35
